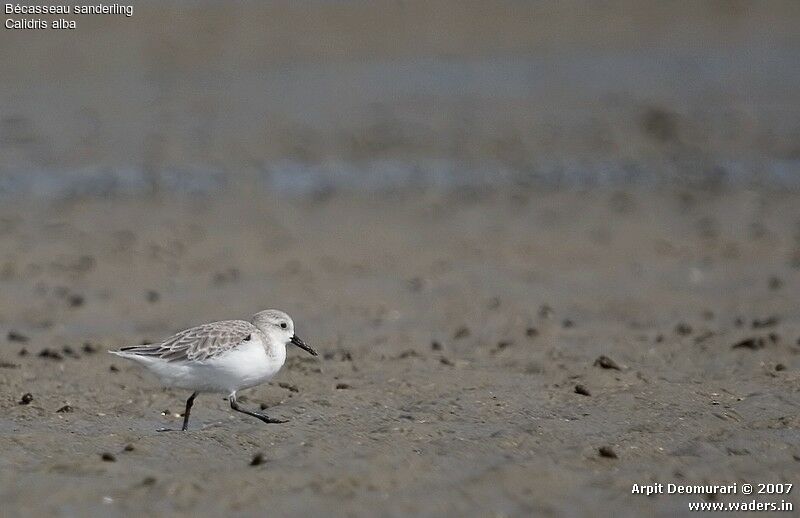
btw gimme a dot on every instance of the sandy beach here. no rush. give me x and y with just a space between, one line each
549 252
482 353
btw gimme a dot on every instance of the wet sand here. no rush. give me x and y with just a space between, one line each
187 96
454 331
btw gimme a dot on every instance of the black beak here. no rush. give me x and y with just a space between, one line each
302 345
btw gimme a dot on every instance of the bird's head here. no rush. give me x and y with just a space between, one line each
279 326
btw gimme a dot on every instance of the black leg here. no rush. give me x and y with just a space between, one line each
257 415
189 403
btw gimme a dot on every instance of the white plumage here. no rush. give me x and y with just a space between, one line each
224 356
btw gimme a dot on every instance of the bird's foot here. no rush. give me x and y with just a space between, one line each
270 420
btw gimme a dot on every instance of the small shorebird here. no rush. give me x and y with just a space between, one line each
224 357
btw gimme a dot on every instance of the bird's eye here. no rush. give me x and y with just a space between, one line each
283 325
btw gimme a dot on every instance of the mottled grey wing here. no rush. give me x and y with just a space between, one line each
198 343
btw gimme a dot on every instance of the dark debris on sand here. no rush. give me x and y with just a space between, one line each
582 390
108 457
753 343
50 354
15 336
760 323
607 452
69 351
75 300
606 363
683 329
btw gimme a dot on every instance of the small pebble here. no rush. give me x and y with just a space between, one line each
149 481
545 311
75 300
445 361
64 409
760 323
503 344
129 447
258 459
88 348
749 343
606 362
108 457
780 367
113 368
22 352
683 329
152 296
436 346
531 332
775 283
583 391
607 452
26 399
461 332
14 336
567 323
342 386
48 353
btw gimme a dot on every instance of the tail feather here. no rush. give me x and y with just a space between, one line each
135 352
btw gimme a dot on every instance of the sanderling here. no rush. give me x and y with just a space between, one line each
224 357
